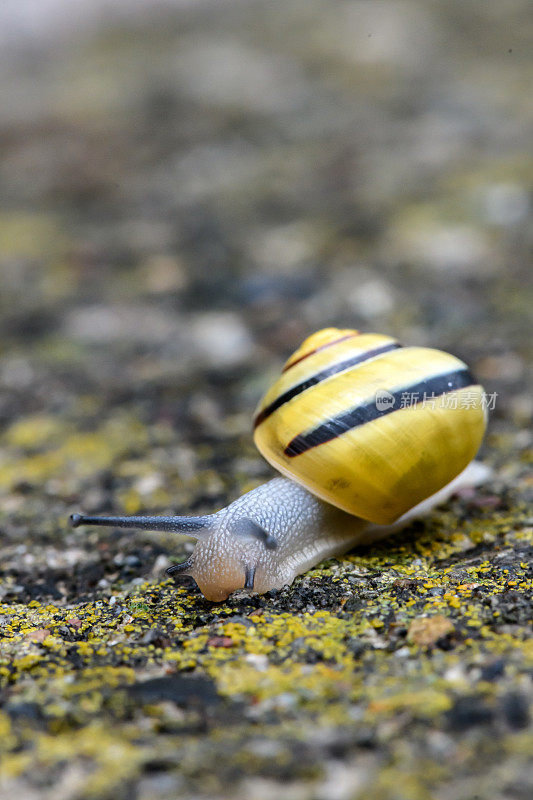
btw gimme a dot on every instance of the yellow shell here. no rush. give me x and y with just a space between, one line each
368 425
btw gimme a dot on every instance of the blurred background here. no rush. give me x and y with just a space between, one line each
188 189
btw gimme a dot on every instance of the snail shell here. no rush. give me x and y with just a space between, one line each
339 421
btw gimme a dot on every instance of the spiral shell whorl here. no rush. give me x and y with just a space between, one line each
321 423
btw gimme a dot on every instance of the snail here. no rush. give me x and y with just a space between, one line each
367 434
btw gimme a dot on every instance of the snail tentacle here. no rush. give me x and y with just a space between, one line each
191 526
249 577
180 569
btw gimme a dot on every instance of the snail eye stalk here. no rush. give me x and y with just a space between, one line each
190 526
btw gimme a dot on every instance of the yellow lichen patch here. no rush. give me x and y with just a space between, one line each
293 683
78 454
115 759
34 432
427 701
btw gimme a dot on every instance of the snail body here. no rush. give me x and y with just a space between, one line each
359 462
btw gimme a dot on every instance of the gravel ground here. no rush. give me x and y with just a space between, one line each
186 192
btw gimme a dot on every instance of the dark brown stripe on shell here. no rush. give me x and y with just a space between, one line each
347 363
360 415
318 349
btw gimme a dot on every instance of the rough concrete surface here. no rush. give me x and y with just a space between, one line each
187 190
